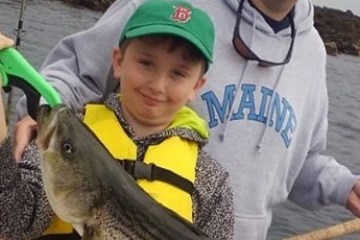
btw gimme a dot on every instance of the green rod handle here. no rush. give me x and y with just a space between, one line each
12 63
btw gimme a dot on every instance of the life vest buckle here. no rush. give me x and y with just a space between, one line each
138 169
143 170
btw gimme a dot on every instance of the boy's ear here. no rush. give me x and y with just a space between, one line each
198 85
117 57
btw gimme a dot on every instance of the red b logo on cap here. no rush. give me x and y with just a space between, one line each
181 14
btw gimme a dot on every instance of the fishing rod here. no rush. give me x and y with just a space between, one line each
18 32
331 232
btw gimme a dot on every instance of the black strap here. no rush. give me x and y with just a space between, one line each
151 172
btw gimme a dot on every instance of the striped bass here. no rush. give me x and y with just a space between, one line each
86 187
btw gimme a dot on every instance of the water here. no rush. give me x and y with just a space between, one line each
46 21
343 77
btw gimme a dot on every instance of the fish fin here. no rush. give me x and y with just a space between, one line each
91 233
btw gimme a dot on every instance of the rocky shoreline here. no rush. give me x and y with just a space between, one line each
339 30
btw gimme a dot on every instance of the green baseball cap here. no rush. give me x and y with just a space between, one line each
173 17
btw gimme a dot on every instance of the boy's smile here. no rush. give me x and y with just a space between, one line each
150 100
156 81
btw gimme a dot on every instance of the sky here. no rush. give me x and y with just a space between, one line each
353 5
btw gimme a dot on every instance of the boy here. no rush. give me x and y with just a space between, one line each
165 49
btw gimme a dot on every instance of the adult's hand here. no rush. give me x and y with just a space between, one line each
5 41
353 202
24 132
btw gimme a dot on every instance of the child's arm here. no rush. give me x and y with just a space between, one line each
213 199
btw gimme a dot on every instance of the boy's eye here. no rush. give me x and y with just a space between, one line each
179 73
146 63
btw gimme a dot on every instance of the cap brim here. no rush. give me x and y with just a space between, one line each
169 29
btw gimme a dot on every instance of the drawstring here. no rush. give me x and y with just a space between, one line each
227 117
260 143
238 85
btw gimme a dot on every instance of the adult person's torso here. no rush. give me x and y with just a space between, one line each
282 117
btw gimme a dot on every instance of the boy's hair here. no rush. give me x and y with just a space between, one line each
190 53
176 18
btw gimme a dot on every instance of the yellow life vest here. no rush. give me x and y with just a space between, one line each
58 227
174 153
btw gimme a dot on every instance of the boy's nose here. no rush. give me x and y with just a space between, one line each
157 83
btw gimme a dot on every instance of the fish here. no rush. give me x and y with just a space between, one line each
87 188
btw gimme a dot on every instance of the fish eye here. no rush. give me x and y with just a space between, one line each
68 147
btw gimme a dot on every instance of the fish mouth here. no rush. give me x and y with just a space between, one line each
47 120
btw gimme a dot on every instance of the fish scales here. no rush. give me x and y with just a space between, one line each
89 189
125 227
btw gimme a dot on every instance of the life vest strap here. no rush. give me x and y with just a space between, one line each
151 172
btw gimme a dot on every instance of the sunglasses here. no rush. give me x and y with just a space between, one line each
246 52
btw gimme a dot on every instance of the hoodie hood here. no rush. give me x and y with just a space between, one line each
254 29
303 14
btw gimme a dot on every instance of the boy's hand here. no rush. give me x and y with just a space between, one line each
24 132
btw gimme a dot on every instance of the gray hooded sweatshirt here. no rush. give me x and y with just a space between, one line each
268 125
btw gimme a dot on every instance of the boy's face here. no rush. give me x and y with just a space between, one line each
155 82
